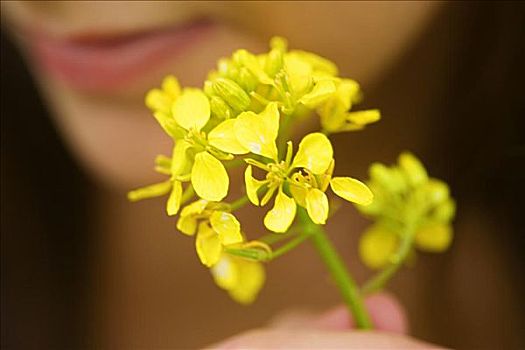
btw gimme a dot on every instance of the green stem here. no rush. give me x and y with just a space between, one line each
239 203
232 164
273 238
340 274
285 128
378 281
188 194
285 248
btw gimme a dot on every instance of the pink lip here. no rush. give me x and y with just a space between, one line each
102 63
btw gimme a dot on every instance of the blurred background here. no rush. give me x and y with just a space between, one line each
83 268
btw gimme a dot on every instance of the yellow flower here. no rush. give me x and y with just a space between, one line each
313 163
242 278
160 102
335 112
197 155
405 196
215 228
172 186
239 111
379 244
294 79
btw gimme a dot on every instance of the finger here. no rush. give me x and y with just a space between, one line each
320 339
385 311
293 319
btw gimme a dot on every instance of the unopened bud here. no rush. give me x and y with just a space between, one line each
279 43
232 94
445 211
220 108
247 80
413 169
364 117
436 191
274 62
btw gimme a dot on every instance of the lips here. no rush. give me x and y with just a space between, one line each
109 62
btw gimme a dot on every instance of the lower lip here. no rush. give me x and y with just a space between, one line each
105 65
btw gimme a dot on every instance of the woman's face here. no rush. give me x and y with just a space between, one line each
94 61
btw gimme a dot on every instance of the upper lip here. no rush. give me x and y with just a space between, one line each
99 61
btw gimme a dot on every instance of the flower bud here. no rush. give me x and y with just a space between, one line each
364 117
436 192
232 94
220 108
227 68
247 80
279 43
445 211
274 62
208 88
390 179
413 169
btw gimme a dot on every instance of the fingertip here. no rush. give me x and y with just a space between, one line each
387 313
336 318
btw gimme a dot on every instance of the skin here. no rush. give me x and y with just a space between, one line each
115 139
330 330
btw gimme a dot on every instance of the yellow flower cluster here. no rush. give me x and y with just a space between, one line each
408 206
244 111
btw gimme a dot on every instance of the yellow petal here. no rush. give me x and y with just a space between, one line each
259 132
187 225
299 73
434 238
317 206
225 272
250 280
181 163
376 247
252 185
157 100
413 169
171 87
208 245
209 177
163 164
223 137
187 222
317 62
194 208
249 61
299 194
282 214
150 191
323 180
315 153
169 124
192 109
227 227
364 117
320 93
173 204
352 190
